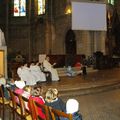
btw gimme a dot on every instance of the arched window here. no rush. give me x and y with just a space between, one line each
19 7
41 7
111 2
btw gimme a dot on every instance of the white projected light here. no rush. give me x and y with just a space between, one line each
88 16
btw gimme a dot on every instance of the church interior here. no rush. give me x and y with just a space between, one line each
86 60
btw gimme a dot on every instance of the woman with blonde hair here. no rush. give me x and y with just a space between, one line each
52 99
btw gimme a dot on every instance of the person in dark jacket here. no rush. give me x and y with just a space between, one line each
52 100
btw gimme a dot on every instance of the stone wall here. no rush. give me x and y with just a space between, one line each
33 35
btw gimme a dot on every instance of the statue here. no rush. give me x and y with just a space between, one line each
2 38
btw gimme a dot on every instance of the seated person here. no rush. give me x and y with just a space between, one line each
19 88
26 75
2 80
48 67
20 84
52 99
72 107
37 73
36 95
70 71
3 84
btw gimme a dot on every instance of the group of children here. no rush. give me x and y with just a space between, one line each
50 98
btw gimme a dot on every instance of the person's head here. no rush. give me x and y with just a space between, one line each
27 88
37 91
20 84
25 64
72 106
32 63
51 94
47 58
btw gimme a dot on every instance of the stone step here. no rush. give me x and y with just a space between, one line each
91 90
63 71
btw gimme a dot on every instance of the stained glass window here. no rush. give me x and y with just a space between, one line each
111 2
19 7
41 7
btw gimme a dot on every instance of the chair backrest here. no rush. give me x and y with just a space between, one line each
44 109
57 113
32 110
22 106
2 93
13 99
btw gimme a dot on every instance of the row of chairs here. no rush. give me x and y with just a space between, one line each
19 109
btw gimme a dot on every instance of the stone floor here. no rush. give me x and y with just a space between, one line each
102 104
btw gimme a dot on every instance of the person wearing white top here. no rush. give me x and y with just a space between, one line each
19 70
27 76
48 67
35 70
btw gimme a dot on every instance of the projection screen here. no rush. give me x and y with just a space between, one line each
89 16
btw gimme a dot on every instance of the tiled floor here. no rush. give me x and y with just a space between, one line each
100 106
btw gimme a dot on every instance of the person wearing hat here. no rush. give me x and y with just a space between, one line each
20 84
72 107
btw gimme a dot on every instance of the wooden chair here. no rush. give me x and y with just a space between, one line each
57 113
44 109
12 104
22 112
3 101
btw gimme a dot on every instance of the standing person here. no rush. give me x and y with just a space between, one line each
48 67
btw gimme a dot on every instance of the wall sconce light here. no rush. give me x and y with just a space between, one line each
68 9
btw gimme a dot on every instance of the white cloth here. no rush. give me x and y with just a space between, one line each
48 67
39 75
26 75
